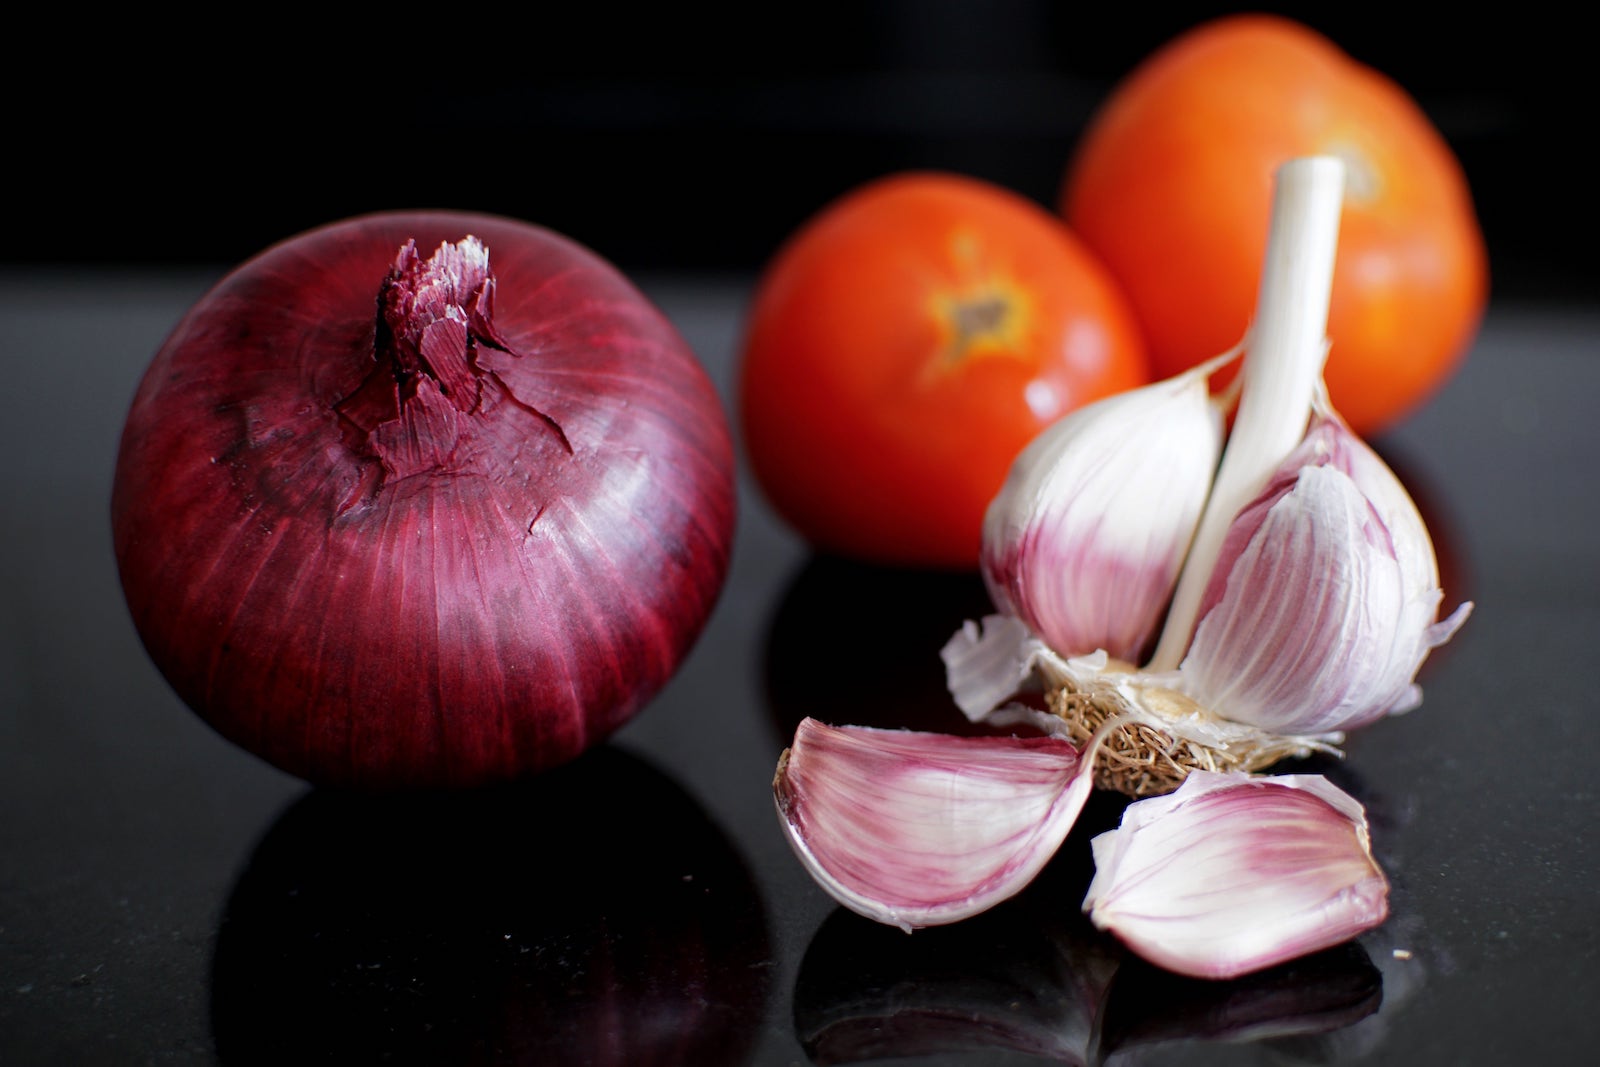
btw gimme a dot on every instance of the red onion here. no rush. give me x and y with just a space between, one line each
387 516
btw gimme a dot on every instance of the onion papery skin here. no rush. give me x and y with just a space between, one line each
449 609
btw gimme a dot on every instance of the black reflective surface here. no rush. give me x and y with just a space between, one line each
595 915
166 898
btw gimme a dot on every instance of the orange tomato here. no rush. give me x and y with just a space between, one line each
904 345
1172 185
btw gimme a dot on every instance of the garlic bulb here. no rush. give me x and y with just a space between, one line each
1308 599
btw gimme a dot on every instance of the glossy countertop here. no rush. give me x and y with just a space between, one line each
166 898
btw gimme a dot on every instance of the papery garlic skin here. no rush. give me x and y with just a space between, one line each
1323 602
1234 873
919 829
1086 537
986 665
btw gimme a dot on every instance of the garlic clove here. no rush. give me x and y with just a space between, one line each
1322 605
1232 874
1307 615
918 829
1420 630
1330 441
1086 537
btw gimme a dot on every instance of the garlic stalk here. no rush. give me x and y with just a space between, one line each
1233 873
1282 366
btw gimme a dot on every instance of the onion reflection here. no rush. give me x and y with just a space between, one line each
593 916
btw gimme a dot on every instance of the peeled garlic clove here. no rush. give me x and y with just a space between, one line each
1233 873
1085 538
919 829
1322 605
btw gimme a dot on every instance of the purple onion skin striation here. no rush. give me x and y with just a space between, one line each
380 571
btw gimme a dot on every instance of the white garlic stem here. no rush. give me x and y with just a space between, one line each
1283 362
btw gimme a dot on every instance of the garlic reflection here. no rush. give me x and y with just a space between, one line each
1233 873
1038 979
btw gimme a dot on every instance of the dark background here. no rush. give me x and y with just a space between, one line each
676 137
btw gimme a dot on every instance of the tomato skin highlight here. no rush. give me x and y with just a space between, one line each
1171 185
904 345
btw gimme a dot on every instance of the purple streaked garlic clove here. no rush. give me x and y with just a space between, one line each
1331 441
1086 537
1232 873
1324 601
918 829
1300 622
